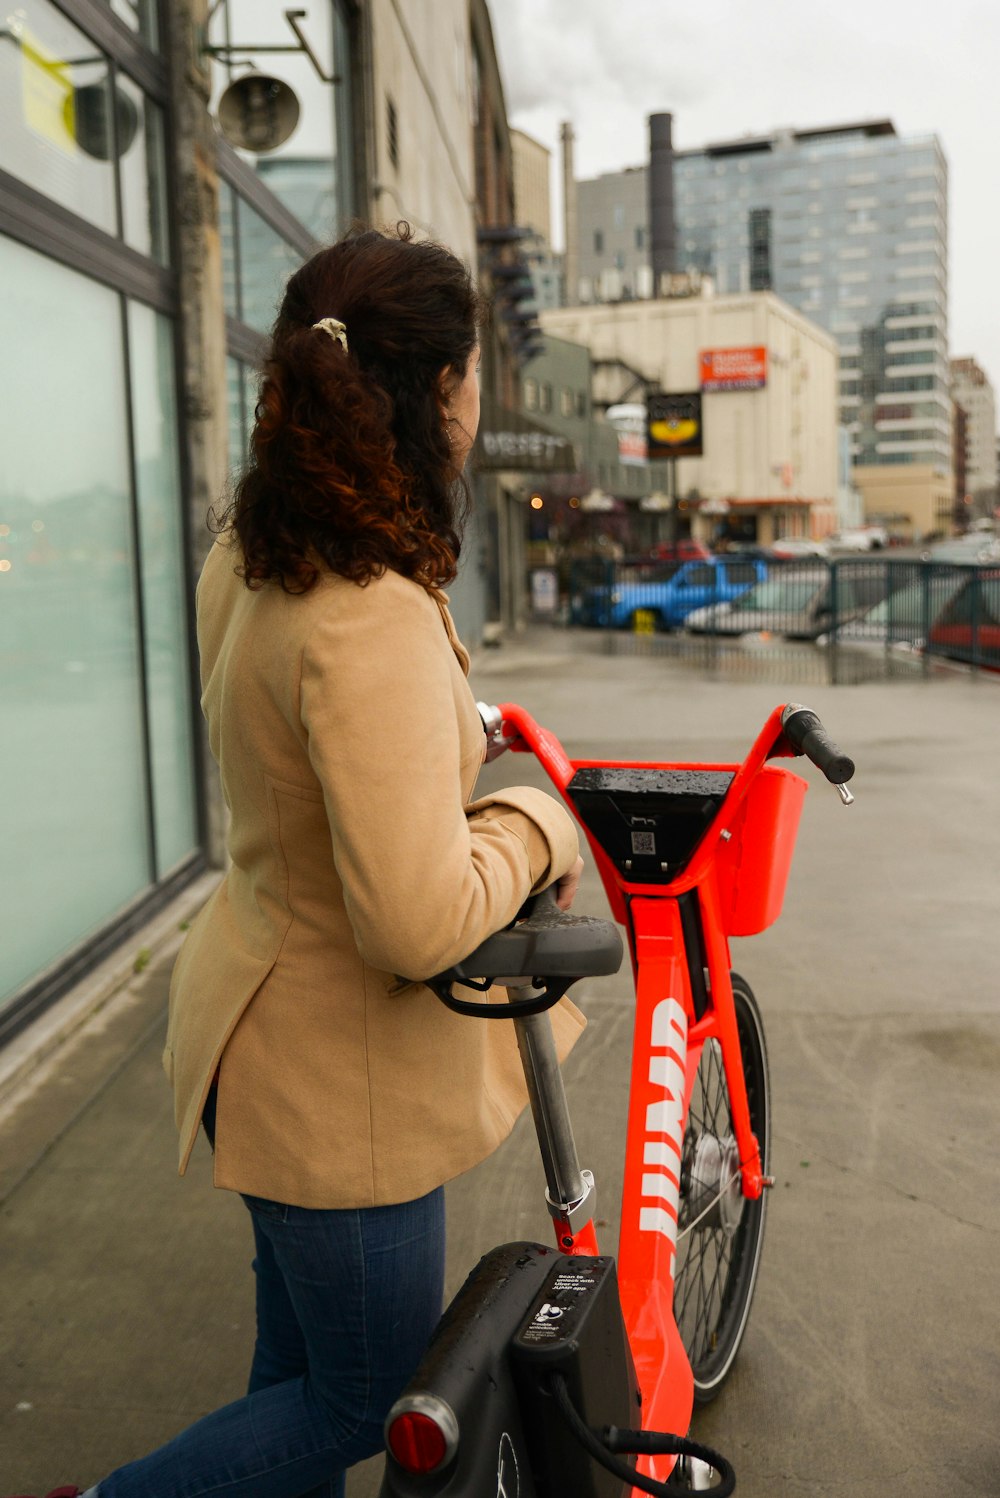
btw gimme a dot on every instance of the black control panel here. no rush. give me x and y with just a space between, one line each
649 822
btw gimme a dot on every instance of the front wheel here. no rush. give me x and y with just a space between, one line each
720 1231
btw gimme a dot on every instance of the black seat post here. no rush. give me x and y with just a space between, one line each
568 1187
536 959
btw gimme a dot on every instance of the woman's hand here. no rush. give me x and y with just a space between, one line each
567 886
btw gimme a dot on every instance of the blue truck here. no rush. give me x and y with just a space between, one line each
668 599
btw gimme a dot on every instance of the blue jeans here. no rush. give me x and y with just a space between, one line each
346 1304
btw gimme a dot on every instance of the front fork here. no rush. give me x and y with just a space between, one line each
661 962
754 1180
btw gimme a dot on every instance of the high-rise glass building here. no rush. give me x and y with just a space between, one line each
849 225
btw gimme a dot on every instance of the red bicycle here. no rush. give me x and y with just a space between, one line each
528 1354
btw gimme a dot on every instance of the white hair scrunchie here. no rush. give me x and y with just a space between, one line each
335 328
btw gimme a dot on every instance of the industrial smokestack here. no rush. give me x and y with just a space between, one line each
662 233
571 252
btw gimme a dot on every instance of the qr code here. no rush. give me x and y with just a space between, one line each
643 842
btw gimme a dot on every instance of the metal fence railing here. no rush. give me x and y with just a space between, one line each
864 615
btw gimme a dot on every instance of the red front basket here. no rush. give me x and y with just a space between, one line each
753 865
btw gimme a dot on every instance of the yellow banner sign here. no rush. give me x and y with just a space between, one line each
47 95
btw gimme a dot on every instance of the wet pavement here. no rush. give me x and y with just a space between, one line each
871 1360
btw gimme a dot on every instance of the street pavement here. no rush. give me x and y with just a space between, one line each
871 1361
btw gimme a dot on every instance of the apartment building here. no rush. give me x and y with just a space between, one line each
848 224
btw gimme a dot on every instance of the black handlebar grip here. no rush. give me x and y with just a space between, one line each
803 729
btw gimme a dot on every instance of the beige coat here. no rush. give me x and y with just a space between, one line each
349 744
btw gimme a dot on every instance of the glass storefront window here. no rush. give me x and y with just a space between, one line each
266 262
256 262
55 128
143 177
307 187
161 553
75 848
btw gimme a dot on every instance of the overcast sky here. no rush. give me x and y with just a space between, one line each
726 68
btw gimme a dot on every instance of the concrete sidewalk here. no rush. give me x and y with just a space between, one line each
871 1361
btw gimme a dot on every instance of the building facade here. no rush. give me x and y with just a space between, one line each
972 391
848 225
144 259
507 450
769 466
532 189
533 209
960 462
613 238
606 495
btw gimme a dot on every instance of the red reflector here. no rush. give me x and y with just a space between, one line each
417 1442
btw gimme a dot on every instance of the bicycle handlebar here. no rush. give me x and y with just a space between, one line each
800 727
791 729
492 721
804 731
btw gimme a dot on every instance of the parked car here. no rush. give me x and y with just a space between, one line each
968 627
795 601
792 547
904 616
669 600
974 546
684 550
860 538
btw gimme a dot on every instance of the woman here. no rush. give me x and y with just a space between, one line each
340 1093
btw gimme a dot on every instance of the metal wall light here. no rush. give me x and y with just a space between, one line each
229 53
259 112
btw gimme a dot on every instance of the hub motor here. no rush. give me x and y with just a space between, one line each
712 1176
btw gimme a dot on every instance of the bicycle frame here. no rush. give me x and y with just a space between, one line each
678 936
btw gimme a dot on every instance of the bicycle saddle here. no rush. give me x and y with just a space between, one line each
548 949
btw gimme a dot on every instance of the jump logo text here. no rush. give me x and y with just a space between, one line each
664 1143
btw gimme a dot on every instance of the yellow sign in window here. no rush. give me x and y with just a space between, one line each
47 95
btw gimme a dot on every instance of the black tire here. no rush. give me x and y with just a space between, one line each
717 1260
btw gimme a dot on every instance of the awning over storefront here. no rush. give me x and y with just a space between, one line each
780 501
509 440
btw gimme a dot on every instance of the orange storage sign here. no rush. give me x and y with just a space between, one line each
733 369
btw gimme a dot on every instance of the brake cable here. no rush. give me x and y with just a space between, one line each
602 1444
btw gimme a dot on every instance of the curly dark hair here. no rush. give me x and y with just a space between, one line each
350 464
